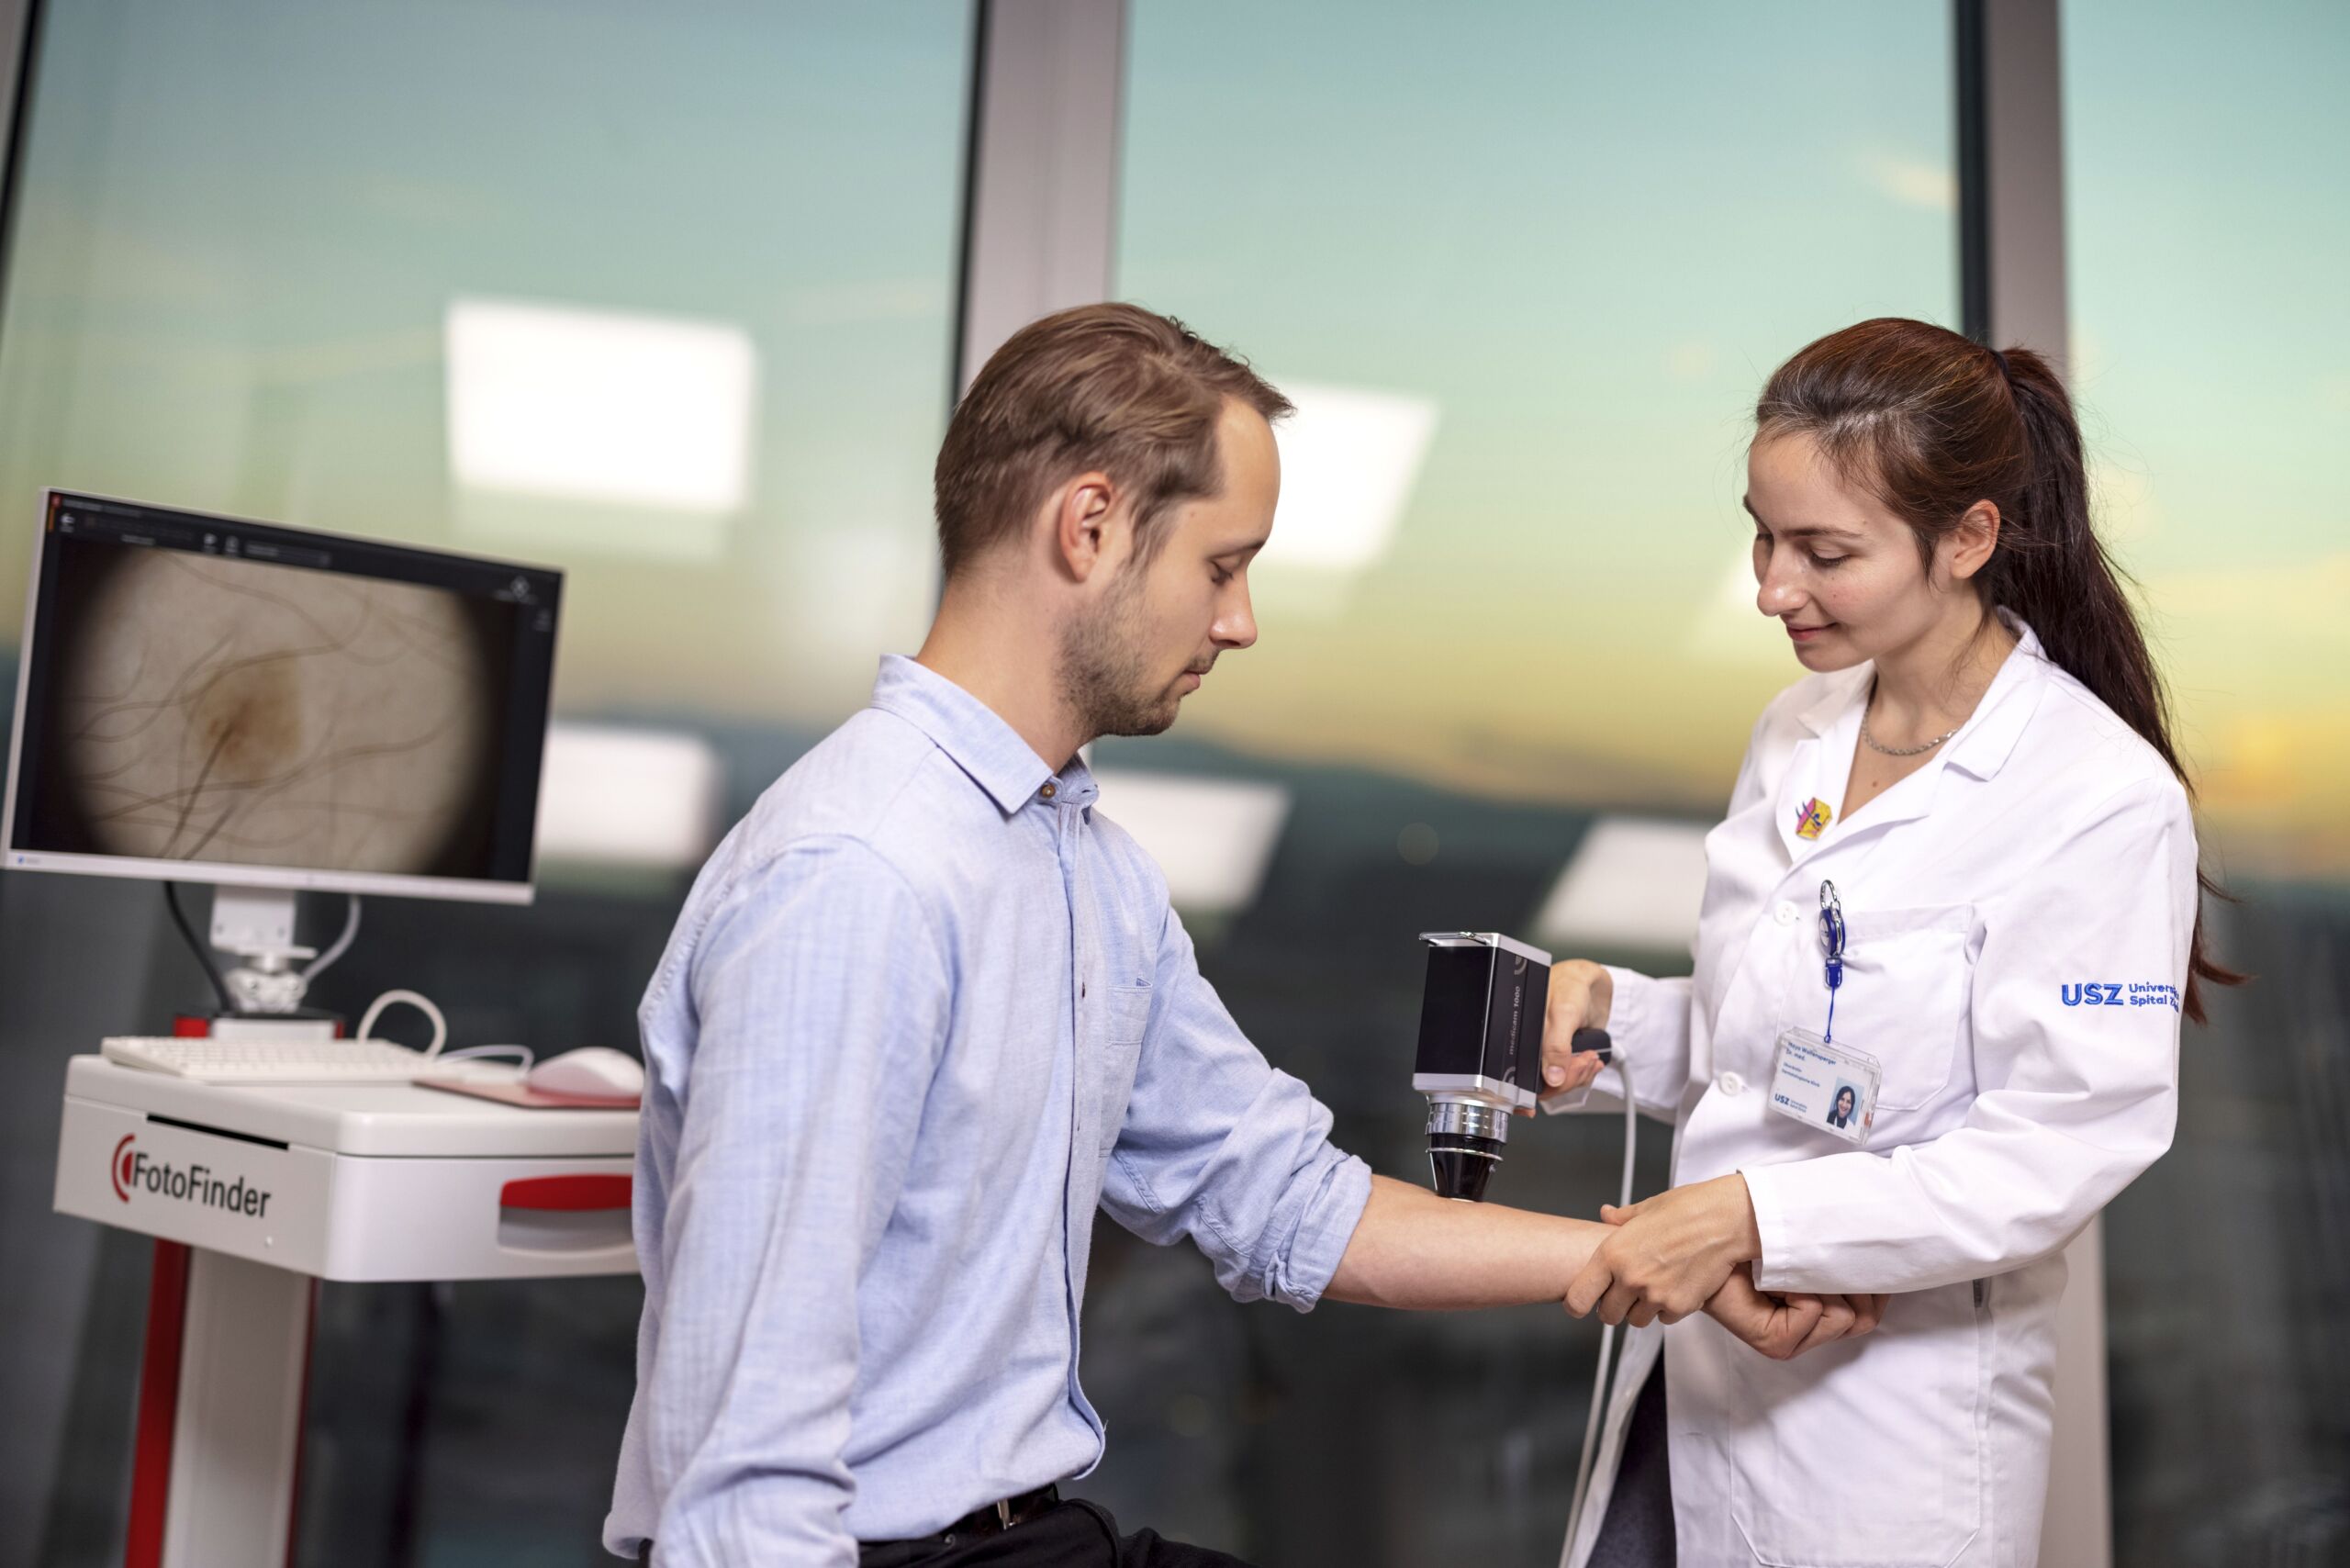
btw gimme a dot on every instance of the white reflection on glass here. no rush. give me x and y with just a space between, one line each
645 420
1912 178
1349 460
1212 838
1728 625
612 795
1634 883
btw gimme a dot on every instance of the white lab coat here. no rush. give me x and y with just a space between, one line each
2045 849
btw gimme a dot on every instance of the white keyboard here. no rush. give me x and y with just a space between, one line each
268 1061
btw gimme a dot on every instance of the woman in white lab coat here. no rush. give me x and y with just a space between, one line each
1979 772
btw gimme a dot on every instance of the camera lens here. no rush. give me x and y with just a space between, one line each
1460 1166
1465 1140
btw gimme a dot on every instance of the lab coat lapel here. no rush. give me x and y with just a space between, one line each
1907 801
1813 788
1980 746
1983 746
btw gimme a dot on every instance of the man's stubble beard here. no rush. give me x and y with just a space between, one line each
1104 676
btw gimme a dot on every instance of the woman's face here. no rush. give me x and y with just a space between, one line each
1833 563
1843 1102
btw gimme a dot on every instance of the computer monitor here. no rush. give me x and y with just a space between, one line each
208 699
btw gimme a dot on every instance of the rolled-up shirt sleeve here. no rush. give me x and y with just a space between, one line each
2073 1100
821 1004
1220 1146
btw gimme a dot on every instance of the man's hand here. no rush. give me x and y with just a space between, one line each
1582 996
1785 1326
1667 1257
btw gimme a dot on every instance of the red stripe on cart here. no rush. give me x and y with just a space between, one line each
569 1194
159 1407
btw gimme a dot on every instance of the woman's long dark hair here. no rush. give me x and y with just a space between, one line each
1932 423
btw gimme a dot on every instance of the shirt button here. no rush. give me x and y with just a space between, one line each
1049 790
1730 1083
1787 913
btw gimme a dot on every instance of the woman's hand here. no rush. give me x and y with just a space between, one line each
1669 1255
1582 995
1785 1326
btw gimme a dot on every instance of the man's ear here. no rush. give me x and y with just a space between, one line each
1080 518
1969 545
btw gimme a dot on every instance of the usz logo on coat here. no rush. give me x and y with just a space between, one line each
2109 993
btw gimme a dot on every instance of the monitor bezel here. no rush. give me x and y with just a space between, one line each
469 890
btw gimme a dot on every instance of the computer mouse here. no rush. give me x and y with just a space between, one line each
595 1071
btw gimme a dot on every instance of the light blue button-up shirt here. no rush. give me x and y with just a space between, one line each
925 1009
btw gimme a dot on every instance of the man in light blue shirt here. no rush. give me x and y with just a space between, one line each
926 1008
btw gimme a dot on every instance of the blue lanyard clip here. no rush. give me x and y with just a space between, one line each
1832 932
1831 942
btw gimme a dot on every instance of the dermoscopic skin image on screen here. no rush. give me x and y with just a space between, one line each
208 707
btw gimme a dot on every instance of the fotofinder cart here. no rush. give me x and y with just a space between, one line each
271 711
256 1194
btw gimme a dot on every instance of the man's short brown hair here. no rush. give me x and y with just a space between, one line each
1113 388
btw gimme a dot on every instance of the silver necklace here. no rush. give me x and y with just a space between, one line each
1871 740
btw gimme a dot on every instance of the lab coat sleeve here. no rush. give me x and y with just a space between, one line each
2073 1100
1650 1021
1650 1026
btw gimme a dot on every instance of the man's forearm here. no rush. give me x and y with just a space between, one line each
1412 1249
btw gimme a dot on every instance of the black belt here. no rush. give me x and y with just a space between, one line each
994 1519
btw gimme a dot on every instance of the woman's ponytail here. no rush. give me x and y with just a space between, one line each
1938 423
2052 569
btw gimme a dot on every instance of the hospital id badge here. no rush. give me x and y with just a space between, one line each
1830 1087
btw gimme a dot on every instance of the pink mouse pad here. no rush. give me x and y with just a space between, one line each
513 1092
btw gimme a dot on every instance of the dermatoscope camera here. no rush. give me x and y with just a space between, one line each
1480 1050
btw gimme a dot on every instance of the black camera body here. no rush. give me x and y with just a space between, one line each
1480 1058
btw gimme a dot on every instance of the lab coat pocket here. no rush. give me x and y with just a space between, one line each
1904 996
1869 1451
1126 1020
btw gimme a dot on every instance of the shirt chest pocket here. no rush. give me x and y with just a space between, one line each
1125 1017
1906 978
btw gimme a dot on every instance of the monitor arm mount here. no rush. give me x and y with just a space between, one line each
255 926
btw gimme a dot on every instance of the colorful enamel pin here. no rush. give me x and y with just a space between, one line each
1811 820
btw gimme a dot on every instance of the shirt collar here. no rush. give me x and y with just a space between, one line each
976 738
1983 744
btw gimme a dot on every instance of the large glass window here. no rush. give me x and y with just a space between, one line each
661 295
1524 268
1527 266
660 299
2210 209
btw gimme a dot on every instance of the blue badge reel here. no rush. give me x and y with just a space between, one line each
1815 1079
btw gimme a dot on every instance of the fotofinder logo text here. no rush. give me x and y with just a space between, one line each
133 1172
